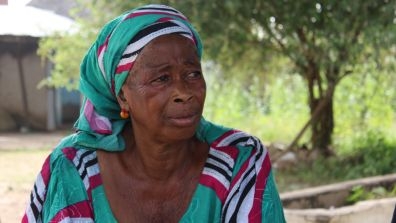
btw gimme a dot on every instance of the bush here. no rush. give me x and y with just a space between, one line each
373 154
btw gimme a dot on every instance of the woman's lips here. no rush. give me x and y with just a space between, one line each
184 120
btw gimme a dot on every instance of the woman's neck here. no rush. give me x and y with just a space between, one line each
159 161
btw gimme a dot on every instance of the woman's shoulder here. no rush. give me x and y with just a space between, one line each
235 137
237 161
236 147
219 135
239 147
67 150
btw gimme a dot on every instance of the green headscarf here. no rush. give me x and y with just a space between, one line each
107 63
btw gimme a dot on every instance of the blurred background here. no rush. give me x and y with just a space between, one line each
314 80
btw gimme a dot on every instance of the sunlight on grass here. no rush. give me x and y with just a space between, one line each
19 169
21 166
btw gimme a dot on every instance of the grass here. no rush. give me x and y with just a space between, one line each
372 155
19 169
21 166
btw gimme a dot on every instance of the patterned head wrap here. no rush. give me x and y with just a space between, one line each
106 66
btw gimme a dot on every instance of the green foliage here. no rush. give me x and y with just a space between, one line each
375 151
256 46
359 193
272 109
371 153
236 32
66 51
328 33
322 40
364 102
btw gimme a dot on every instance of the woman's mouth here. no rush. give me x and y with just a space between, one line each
184 120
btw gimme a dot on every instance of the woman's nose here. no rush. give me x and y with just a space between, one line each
182 92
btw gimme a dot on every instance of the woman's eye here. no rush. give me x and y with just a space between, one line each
194 75
161 79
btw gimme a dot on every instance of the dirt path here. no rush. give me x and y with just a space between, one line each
21 158
29 140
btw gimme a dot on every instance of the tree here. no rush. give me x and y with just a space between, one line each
66 50
323 39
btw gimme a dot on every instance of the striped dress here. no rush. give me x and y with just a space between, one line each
236 185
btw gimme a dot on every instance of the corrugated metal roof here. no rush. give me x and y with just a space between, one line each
31 21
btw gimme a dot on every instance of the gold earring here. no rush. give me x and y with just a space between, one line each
124 114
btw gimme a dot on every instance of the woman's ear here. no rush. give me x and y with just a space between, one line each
122 100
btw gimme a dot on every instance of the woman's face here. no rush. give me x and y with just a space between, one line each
165 90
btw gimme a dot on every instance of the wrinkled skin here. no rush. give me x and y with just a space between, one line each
154 179
165 90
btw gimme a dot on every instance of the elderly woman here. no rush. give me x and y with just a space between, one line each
142 151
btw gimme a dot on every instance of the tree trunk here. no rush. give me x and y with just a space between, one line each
322 119
314 115
323 124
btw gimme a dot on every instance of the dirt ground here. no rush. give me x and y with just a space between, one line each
21 158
